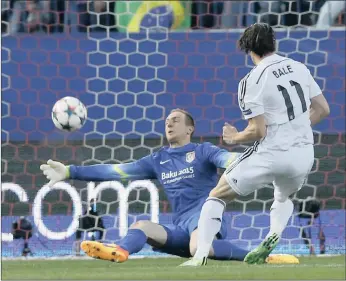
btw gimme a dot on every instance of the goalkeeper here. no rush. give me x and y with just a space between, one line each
187 172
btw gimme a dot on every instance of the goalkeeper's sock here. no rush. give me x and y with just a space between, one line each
134 241
280 213
224 250
209 225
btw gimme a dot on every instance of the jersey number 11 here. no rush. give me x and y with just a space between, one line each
288 102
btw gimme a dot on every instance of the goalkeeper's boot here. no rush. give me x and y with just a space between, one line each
260 254
109 252
195 262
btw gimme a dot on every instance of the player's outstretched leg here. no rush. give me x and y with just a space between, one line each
210 221
109 252
139 233
209 225
132 243
221 250
280 213
225 250
260 254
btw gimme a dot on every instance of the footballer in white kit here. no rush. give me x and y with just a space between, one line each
281 101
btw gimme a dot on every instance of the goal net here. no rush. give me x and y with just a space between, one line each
130 63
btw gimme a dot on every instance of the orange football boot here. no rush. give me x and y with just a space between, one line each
108 252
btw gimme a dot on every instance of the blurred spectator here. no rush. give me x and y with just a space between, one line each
269 11
301 13
54 20
276 13
34 15
206 14
21 16
22 229
90 224
98 15
309 210
329 13
237 14
285 13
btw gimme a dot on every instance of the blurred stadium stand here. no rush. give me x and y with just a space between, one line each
59 15
131 63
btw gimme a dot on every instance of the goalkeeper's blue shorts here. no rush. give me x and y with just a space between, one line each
178 236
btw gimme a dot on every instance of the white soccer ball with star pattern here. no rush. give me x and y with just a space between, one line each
69 114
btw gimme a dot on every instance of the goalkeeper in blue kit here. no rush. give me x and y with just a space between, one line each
187 171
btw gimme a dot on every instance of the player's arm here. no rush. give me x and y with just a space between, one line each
251 102
140 169
319 108
254 131
221 158
105 172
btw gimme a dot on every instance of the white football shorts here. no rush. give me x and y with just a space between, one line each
258 167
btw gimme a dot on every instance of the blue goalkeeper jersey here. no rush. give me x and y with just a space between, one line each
187 174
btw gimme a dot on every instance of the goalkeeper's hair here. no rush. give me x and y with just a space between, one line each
189 121
258 38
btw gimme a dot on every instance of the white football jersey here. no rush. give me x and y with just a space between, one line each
280 89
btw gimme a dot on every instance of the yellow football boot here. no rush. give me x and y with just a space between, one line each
282 259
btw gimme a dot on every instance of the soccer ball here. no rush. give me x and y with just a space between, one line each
69 114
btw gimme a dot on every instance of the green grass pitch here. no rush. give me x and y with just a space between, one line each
318 268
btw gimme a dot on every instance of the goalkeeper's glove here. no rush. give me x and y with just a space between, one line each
55 171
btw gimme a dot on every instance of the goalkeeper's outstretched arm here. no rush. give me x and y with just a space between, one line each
107 172
140 169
